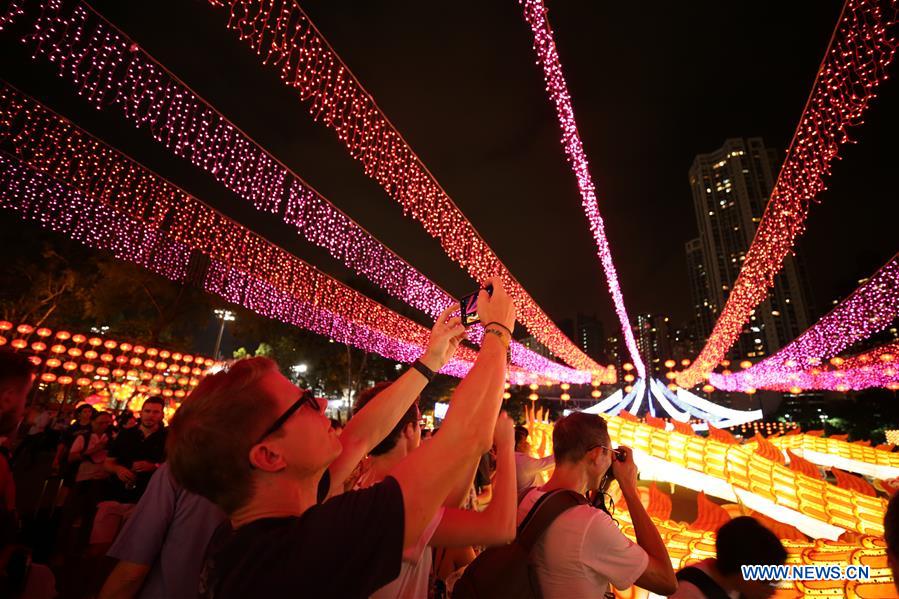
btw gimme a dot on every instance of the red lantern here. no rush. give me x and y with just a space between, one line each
79 338
24 329
44 332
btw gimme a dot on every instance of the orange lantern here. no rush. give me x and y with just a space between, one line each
708 388
70 365
91 354
164 354
2 340
53 362
38 346
19 343
64 380
161 366
149 363
5 325
121 359
106 357
184 380
125 346
596 394
83 382
74 352
44 332
196 372
139 349
87 368
188 359
103 371
186 370
95 341
209 362
532 397
24 329
176 356
152 351
158 378
35 360
145 376
135 361
110 344
98 384
79 338
48 377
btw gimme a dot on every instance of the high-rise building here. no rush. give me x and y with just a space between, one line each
653 336
731 187
587 332
705 311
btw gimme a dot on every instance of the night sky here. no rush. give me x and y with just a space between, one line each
653 84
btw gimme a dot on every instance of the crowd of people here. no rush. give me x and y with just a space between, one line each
251 491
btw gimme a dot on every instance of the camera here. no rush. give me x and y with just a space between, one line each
619 455
468 306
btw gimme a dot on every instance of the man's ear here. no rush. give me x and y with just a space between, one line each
267 458
409 430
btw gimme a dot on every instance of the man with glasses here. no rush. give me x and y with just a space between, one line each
583 551
258 447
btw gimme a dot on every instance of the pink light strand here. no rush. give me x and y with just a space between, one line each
869 309
557 88
112 71
854 65
305 298
283 36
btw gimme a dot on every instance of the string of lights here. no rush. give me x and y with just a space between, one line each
150 96
800 364
283 36
557 88
855 64
242 269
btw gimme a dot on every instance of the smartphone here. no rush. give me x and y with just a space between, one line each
468 307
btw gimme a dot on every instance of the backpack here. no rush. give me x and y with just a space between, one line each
709 588
506 571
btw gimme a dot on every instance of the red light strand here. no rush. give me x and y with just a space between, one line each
283 36
854 65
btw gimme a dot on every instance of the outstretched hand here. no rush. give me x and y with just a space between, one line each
446 335
496 307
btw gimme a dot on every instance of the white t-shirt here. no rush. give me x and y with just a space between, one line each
581 552
91 467
415 571
527 469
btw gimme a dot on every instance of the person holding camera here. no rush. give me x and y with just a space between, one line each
582 550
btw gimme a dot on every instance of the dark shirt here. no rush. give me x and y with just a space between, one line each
349 546
129 447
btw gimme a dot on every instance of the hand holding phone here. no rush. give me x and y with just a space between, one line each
468 306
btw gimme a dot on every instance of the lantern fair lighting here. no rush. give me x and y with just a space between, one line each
183 373
193 129
869 309
98 169
335 97
557 88
855 64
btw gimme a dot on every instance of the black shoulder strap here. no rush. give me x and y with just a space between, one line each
545 511
704 582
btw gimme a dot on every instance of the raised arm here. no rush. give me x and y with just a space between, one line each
496 524
428 474
373 423
659 575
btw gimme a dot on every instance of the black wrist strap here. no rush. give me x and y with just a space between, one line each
500 325
424 370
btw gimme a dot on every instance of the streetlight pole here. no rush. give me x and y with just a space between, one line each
224 316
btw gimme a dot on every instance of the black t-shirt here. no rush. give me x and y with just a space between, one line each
349 546
132 446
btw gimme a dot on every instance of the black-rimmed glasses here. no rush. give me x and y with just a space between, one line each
305 397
